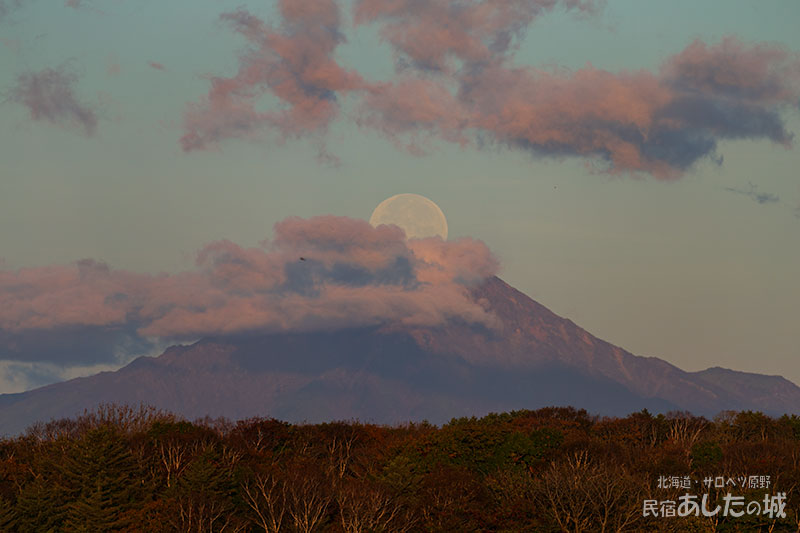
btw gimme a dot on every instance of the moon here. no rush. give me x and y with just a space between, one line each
418 216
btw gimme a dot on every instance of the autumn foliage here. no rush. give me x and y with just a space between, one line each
554 469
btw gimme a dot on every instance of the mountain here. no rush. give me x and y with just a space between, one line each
393 373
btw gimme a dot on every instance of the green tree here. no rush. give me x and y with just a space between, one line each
102 475
8 515
40 507
706 455
205 495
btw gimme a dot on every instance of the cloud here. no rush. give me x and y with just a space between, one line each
761 72
49 96
764 198
753 193
433 35
412 110
7 7
16 376
12 44
629 122
350 274
81 4
456 80
113 68
19 377
295 63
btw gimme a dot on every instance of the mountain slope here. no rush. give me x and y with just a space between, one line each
530 358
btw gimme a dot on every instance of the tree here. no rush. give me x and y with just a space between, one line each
103 481
265 495
583 495
40 507
8 516
309 495
204 495
365 506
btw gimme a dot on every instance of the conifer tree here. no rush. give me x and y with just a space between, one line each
8 515
204 495
40 507
102 474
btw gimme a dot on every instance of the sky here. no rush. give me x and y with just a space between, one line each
630 165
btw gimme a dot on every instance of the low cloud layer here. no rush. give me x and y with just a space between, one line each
319 273
49 96
455 81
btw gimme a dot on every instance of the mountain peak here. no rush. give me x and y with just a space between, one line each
527 357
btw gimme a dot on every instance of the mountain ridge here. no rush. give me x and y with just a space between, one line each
390 373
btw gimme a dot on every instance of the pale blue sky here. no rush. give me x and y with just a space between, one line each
683 270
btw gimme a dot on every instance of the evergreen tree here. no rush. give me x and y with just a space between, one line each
102 475
204 495
8 515
40 507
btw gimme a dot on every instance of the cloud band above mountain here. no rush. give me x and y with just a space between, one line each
319 273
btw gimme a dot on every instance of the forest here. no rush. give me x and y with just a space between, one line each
122 468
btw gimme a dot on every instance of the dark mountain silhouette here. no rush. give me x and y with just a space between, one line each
393 373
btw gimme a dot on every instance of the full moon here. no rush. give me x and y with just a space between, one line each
418 216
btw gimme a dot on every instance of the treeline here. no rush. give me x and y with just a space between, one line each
554 469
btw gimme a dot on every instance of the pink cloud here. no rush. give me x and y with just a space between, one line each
455 81
433 33
465 260
12 44
590 112
49 96
62 296
330 239
412 108
762 73
295 64
631 122
350 274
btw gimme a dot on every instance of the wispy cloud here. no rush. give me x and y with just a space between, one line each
49 96
7 7
753 193
113 68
